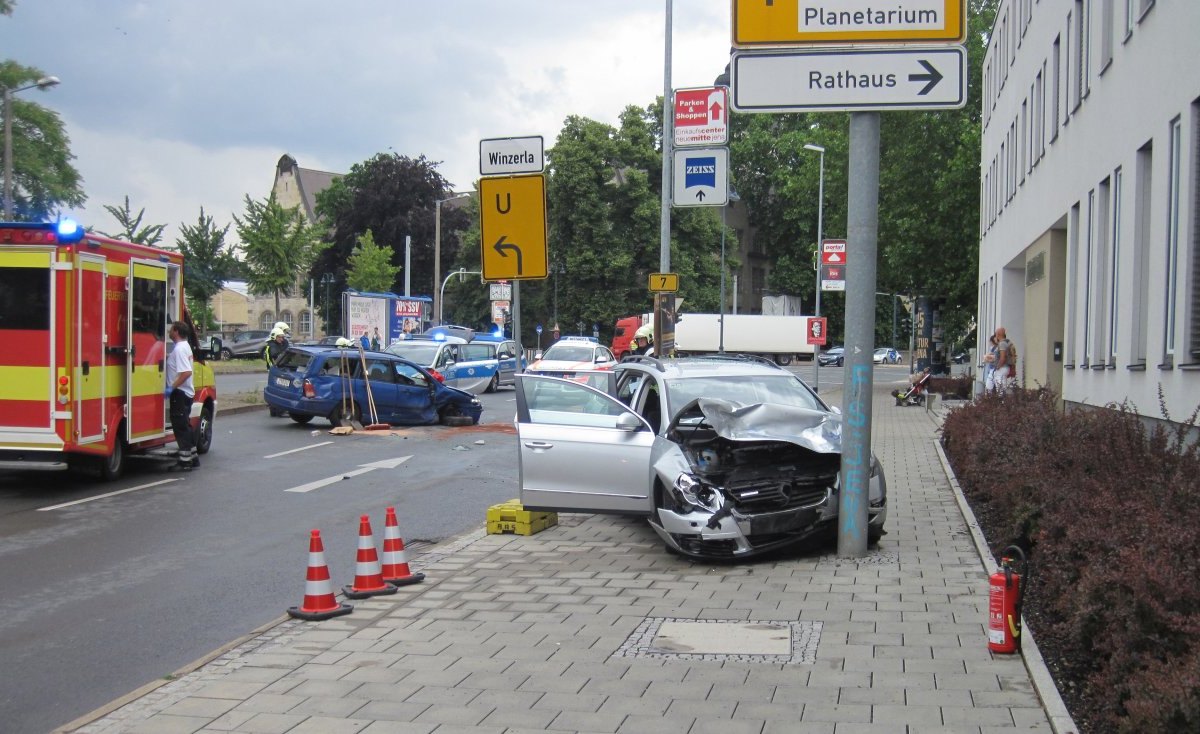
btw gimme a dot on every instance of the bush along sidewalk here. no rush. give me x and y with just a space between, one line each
1108 511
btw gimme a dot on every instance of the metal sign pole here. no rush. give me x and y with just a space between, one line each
862 235
668 139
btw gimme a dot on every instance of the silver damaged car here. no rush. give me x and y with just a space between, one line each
725 457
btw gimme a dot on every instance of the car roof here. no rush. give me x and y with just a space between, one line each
577 338
713 366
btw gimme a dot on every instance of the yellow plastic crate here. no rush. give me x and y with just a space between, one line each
511 517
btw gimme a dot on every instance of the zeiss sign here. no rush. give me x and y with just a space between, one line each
701 177
700 172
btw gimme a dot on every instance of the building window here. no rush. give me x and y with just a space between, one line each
1194 346
1089 251
1114 290
758 281
1102 289
1039 124
1073 241
286 316
1143 194
1173 200
1077 25
1130 17
1056 85
306 323
1106 33
266 319
1085 43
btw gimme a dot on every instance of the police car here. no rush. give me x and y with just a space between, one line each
572 355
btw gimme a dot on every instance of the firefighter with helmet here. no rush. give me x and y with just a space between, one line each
272 351
643 340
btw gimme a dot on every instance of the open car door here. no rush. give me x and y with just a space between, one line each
580 449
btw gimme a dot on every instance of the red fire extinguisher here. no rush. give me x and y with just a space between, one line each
1004 603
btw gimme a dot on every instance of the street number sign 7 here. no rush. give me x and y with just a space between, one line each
664 282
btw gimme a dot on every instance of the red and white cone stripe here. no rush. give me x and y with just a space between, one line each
395 559
319 602
368 576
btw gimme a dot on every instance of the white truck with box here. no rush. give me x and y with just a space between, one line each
780 338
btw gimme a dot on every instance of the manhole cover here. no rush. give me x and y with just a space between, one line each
740 640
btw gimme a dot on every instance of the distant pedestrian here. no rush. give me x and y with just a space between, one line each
989 365
365 340
179 393
1006 358
375 340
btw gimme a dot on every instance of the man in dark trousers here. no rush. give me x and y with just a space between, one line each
179 393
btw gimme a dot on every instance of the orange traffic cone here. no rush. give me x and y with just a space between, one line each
318 589
395 560
368 576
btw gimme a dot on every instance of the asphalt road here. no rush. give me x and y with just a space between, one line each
106 595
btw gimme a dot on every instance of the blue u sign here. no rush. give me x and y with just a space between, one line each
700 172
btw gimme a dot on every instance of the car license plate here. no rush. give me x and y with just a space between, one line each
283 382
785 521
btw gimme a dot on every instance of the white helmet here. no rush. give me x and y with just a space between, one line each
282 327
344 343
276 332
644 331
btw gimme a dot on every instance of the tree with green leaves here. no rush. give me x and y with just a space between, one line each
44 179
371 267
6 6
393 196
278 244
207 261
131 225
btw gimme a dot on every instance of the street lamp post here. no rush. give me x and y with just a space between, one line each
327 280
442 291
44 83
437 248
820 235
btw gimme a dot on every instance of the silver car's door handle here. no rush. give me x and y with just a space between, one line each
538 445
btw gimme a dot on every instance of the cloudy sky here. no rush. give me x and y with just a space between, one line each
182 104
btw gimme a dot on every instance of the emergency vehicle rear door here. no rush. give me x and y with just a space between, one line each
91 388
146 362
27 329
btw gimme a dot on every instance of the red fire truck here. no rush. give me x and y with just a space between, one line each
83 349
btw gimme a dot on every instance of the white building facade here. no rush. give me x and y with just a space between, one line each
1089 196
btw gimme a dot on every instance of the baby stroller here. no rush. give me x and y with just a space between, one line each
915 394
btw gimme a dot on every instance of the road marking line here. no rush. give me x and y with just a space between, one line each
302 448
363 469
110 494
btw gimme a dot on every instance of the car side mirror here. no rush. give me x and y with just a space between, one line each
835 410
600 358
537 355
628 422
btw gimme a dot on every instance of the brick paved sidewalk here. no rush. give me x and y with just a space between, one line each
565 631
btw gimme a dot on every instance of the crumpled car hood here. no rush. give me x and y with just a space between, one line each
811 429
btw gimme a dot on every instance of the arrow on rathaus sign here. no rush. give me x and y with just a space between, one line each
851 79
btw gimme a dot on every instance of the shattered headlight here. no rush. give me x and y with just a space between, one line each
694 492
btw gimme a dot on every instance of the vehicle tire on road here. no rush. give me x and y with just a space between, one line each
494 384
343 415
783 360
226 354
113 467
451 416
204 431
301 419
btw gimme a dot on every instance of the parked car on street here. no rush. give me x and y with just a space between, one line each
886 355
317 382
573 354
727 457
245 344
832 357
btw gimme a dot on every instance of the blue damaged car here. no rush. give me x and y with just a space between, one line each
318 382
